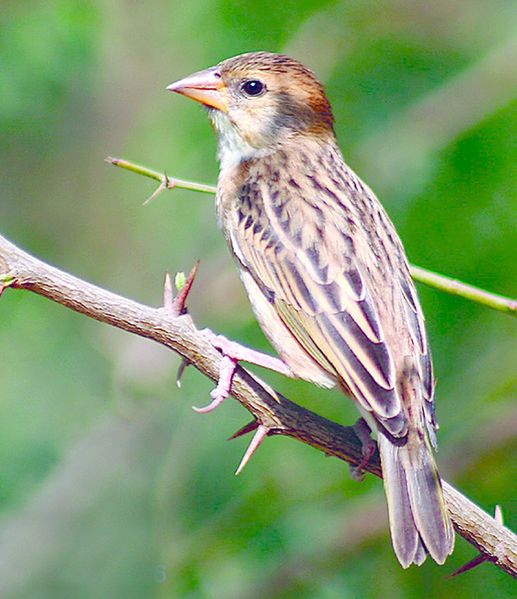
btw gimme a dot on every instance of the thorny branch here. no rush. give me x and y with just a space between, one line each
274 414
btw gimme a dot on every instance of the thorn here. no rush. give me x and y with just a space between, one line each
178 304
257 440
482 557
473 563
181 369
163 185
168 294
166 183
251 426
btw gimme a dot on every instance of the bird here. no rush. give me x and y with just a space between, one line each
326 273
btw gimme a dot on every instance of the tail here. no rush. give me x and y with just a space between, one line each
419 521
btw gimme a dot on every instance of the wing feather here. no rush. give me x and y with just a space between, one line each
309 265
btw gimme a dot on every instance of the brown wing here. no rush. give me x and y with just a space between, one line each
310 257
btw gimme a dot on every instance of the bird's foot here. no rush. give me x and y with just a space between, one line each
233 353
224 385
368 445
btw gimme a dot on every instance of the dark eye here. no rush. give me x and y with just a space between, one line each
253 87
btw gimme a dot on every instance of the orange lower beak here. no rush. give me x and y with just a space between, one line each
205 87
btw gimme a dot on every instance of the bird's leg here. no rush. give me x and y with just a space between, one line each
233 353
368 445
241 353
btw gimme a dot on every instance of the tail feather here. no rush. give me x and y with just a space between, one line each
419 521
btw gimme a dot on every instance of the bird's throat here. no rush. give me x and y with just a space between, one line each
233 148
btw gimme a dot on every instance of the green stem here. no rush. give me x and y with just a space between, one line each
455 287
157 176
447 284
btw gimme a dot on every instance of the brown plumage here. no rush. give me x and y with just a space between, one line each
326 273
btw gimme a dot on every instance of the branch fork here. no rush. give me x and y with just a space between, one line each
166 183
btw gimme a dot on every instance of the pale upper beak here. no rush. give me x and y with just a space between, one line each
204 86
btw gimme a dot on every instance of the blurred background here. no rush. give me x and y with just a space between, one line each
110 486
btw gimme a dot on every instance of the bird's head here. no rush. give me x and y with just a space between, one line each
258 102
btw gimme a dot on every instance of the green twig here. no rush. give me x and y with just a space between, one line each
455 287
157 176
447 284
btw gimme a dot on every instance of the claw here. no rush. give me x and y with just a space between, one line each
222 391
217 400
260 435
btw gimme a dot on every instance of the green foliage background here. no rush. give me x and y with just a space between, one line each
110 486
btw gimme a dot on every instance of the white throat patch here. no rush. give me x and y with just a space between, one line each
233 149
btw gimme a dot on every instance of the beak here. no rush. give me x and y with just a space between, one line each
206 87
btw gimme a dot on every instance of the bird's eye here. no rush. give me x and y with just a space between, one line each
253 87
